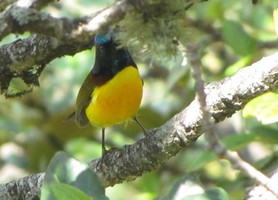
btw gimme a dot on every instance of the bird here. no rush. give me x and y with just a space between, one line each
112 91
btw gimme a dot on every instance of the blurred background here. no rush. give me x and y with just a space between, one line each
233 34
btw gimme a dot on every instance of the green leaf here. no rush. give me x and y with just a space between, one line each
268 163
204 158
236 37
238 141
266 134
234 68
190 188
275 18
61 191
264 108
257 133
66 170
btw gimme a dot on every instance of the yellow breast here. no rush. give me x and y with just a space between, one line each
117 100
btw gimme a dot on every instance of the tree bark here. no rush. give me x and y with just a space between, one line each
53 37
224 98
56 37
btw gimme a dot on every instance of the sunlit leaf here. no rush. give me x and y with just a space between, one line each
275 18
264 108
243 62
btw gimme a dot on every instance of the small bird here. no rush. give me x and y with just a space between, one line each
112 91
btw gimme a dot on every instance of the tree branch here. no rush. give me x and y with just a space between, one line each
16 10
28 187
209 128
260 191
22 55
25 57
224 98
18 19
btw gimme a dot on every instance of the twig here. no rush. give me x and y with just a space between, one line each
5 3
216 35
213 141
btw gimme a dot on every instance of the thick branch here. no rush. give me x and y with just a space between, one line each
20 57
23 58
16 14
223 99
17 19
25 188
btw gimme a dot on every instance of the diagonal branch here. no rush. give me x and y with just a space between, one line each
224 98
211 137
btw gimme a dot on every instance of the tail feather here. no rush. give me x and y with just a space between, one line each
80 121
70 118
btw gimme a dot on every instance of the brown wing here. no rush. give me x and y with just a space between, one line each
83 99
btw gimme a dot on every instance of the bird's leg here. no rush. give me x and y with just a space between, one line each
103 142
103 149
142 127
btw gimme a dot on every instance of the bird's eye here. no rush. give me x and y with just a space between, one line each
101 48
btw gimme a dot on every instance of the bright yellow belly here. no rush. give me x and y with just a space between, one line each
117 100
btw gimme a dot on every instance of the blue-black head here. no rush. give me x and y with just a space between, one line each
110 57
102 39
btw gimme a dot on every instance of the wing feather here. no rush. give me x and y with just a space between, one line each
83 100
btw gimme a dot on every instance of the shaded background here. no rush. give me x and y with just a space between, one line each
233 34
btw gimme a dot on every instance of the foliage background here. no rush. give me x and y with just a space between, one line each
233 34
